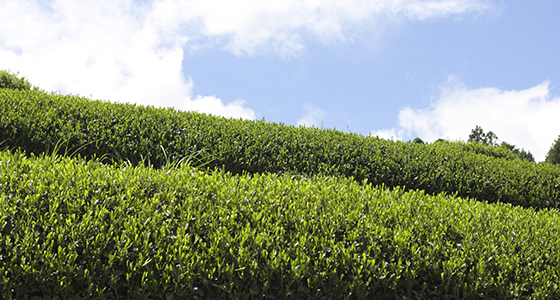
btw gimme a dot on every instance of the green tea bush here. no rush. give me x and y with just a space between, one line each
74 229
36 122
12 81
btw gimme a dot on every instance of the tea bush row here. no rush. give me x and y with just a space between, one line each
74 229
9 80
36 121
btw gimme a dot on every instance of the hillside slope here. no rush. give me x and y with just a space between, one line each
37 121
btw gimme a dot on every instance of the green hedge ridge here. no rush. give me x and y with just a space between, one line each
37 121
9 80
79 229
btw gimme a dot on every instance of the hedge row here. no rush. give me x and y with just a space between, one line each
76 229
9 80
36 121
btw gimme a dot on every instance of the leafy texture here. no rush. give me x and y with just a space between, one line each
74 228
37 122
12 81
553 155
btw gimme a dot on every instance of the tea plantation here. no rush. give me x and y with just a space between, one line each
101 200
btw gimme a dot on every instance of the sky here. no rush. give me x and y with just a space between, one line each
396 69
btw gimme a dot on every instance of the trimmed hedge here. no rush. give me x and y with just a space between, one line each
76 229
10 80
37 121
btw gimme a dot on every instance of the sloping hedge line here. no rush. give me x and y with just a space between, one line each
78 229
36 121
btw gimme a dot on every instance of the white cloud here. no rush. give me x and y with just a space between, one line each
388 134
119 51
132 51
280 25
213 105
313 116
526 118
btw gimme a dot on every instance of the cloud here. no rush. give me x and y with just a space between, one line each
132 51
114 50
313 116
213 105
249 27
526 118
388 134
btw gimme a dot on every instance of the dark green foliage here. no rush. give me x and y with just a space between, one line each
12 81
86 219
418 141
490 139
76 229
553 155
521 153
478 136
36 121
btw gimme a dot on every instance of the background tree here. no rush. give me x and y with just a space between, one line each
521 153
418 141
491 139
478 136
526 155
553 155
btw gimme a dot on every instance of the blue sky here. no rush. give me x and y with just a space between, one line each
397 69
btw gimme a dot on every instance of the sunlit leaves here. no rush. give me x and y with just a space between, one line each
82 228
124 133
102 201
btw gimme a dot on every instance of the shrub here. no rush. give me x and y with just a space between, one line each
78 229
37 121
12 81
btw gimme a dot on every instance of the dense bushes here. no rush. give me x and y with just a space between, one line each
80 229
81 216
36 121
12 81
